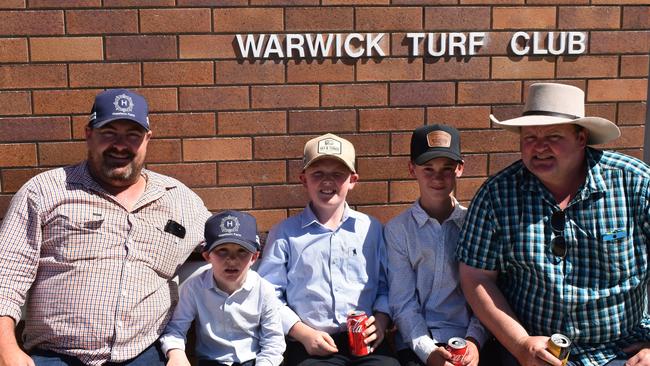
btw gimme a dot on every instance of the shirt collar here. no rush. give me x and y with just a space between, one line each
421 217
208 282
308 217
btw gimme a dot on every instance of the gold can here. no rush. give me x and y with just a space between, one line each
559 345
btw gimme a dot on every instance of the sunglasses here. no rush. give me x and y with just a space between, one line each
558 244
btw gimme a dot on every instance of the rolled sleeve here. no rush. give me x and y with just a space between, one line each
272 342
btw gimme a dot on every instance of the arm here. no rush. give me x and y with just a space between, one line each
10 353
175 334
271 337
316 342
491 307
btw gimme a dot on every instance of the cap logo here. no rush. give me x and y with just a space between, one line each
439 139
229 224
329 147
123 103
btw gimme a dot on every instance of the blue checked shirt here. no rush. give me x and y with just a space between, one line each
100 279
596 295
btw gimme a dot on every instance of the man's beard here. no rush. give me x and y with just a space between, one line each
120 172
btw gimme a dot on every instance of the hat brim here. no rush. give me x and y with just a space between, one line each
322 157
600 130
251 247
423 158
120 118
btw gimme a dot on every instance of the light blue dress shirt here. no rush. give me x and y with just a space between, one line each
230 328
425 296
322 274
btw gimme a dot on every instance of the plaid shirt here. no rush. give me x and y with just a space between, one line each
596 295
100 279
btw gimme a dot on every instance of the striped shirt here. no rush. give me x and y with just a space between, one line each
100 279
596 294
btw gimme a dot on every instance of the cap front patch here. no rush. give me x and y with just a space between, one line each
439 139
329 147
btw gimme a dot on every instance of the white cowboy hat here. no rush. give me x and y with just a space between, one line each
554 104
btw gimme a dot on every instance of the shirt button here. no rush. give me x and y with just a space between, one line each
124 294
119 324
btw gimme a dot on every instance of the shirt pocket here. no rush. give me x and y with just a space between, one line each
163 251
357 266
618 260
74 235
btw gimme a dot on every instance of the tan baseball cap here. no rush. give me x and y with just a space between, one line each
329 146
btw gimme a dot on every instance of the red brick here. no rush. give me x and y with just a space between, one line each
32 76
466 188
369 144
191 174
183 124
522 68
321 71
13 50
13 179
79 124
211 2
12 4
389 69
140 48
15 103
617 90
496 43
213 98
604 110
503 112
588 67
280 196
178 73
63 101
475 165
422 93
461 18
252 123
589 17
452 69
529 17
489 92
175 20
557 2
636 17
354 95
252 172
160 99
323 121
34 129
163 151
578 83
499 161
400 143
355 2
285 2
383 168
491 2
66 49
390 119
218 149
65 3
383 213
17 155
366 192
295 168
319 19
631 113
619 2
101 21
138 3
285 96
31 23
460 117
61 153
388 18
404 191
636 65
5 200
266 219
230 198
243 20
246 72
279 147
478 141
206 46
631 136
104 75
619 42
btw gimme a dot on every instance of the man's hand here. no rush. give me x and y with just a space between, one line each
471 354
640 352
532 352
439 357
14 356
375 330
177 357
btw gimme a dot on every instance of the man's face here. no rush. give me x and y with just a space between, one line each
328 182
436 178
555 154
116 153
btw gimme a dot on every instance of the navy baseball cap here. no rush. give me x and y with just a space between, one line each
115 104
231 227
434 141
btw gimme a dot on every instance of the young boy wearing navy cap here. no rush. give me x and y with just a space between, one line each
425 296
236 311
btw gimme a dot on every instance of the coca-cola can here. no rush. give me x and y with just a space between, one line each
457 347
356 327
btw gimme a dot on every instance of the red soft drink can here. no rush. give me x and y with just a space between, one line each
457 347
356 327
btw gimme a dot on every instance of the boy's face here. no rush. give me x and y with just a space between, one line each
328 182
436 178
230 264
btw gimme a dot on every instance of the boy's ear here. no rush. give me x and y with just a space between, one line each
206 255
411 169
459 169
255 256
303 179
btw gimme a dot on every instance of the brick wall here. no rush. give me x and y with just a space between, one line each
234 130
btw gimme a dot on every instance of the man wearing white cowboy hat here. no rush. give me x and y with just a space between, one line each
558 241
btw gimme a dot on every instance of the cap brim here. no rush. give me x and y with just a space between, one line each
244 243
121 118
600 130
321 157
423 158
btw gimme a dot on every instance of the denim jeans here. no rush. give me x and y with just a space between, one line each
151 356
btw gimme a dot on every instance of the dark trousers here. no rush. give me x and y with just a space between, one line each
489 355
296 355
217 363
152 356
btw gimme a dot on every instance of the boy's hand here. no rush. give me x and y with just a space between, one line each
439 357
177 357
471 354
376 330
319 343
639 354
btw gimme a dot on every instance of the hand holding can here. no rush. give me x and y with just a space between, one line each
356 328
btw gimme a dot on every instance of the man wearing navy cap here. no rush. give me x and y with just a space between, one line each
97 246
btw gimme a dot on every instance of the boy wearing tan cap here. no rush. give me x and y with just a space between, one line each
327 261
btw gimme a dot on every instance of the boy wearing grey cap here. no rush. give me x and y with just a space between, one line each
236 311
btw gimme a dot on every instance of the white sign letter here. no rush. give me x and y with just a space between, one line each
415 43
373 43
475 41
513 43
349 49
295 42
577 39
244 49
